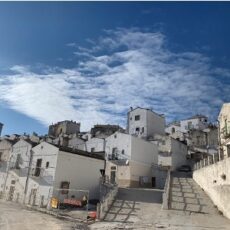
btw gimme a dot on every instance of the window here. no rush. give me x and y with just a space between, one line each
173 130
115 136
123 151
137 117
92 150
143 130
189 125
130 118
65 187
47 164
137 129
0 156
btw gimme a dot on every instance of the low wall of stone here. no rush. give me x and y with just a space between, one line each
106 202
214 179
166 192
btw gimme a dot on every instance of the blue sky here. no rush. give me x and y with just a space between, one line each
91 61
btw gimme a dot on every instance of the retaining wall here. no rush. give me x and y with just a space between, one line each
215 180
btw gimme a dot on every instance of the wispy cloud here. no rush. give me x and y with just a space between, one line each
125 67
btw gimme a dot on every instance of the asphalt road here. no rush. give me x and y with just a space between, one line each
15 217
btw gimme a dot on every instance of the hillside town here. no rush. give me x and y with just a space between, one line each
80 173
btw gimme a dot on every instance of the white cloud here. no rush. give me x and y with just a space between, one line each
126 67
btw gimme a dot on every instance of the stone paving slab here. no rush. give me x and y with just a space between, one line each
186 195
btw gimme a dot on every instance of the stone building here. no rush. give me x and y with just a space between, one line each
103 131
64 127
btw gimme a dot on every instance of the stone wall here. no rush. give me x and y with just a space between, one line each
215 180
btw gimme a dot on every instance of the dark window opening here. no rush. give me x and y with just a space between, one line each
137 117
92 150
47 164
65 187
38 167
153 182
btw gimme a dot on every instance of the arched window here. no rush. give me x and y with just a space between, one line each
173 130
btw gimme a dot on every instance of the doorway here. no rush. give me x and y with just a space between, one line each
112 177
153 182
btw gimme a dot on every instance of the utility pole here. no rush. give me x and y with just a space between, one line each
28 175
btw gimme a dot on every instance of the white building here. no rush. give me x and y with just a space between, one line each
95 145
224 129
172 153
129 160
194 122
145 123
174 130
52 169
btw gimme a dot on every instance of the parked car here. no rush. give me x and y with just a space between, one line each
184 168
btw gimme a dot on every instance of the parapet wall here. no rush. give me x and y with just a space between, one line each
215 180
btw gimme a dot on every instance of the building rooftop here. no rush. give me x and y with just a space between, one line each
131 110
196 116
96 155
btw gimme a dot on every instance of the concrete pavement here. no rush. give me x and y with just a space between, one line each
15 217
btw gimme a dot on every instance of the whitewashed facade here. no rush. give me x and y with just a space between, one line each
195 122
49 166
129 159
145 123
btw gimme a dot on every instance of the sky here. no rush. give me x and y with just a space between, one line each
91 61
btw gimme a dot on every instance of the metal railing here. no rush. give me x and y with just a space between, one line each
209 160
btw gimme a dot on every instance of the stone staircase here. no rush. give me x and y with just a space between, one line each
186 195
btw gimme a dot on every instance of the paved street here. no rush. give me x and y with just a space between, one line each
134 208
15 217
141 209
